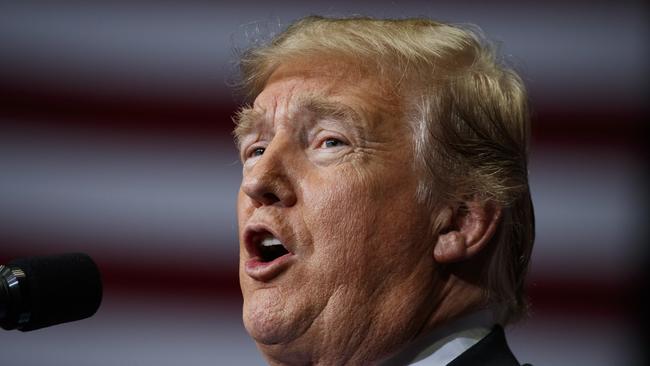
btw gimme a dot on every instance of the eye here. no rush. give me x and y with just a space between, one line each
332 142
258 151
253 152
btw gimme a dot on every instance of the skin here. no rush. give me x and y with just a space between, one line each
364 279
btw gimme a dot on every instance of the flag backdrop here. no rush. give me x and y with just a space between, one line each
115 141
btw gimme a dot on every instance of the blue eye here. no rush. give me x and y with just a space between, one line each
332 142
258 151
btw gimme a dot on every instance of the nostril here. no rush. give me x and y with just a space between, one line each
270 198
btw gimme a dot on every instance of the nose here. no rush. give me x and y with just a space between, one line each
268 181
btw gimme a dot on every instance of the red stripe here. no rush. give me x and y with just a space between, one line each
556 123
116 113
596 297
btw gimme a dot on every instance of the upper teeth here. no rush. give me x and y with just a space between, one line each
267 242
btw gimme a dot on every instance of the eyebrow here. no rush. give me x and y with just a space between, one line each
247 118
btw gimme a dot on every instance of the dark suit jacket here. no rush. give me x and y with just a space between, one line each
492 350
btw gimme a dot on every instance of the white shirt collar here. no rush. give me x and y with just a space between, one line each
446 342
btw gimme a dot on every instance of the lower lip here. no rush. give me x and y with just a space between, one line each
266 271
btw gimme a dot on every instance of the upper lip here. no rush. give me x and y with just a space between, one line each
253 235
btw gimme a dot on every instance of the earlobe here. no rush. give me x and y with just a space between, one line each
466 232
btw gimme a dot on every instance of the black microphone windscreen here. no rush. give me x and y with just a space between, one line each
61 288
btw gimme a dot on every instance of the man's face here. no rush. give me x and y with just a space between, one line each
328 173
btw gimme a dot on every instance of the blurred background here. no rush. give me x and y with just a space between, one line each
115 141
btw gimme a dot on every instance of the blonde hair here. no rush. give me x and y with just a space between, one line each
468 112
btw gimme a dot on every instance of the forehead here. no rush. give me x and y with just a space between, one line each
335 89
294 85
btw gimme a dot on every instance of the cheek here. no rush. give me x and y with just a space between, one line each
364 224
341 218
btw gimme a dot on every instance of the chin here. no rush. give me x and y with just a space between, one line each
268 321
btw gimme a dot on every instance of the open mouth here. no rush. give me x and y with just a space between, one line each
270 248
268 254
264 246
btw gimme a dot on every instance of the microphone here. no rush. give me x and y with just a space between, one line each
38 292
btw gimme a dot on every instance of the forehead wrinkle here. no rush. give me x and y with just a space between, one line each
322 108
249 118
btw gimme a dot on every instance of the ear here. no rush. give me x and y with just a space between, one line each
465 231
